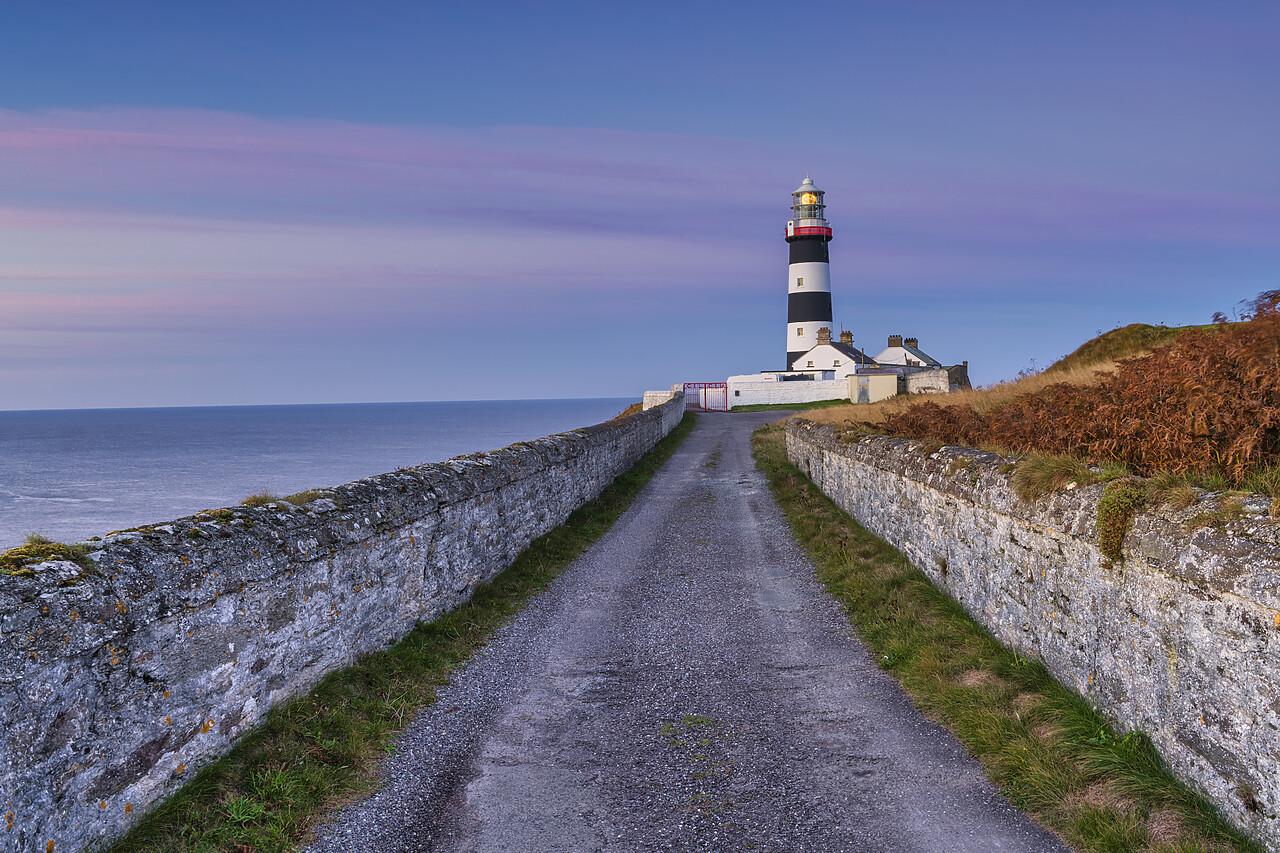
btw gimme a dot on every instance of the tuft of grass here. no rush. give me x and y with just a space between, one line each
1266 481
1169 489
1048 750
852 431
1232 509
16 562
266 496
321 750
1040 474
928 446
1212 482
1182 496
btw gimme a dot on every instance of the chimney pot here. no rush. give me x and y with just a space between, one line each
895 340
824 335
846 337
912 342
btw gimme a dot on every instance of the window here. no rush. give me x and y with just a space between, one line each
800 281
810 364
837 364
737 393
799 331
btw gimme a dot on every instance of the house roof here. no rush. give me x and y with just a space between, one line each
899 355
922 356
853 352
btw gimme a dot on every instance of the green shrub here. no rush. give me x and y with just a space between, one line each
1120 502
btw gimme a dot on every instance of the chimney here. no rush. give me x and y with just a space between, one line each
895 340
846 338
824 335
912 342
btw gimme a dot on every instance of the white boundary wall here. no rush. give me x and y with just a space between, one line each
751 392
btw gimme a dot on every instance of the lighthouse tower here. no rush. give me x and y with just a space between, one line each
809 276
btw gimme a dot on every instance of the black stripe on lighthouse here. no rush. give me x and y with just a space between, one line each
809 250
812 307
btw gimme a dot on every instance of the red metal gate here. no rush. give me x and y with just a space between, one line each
706 396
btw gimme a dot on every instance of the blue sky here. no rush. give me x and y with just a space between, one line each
326 202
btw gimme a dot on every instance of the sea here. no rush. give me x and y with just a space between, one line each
73 474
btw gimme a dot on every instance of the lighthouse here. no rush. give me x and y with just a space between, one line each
809 275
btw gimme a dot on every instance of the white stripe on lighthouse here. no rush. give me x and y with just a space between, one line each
815 277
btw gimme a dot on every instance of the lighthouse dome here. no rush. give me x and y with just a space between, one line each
806 187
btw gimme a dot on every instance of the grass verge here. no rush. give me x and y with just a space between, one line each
321 750
791 407
1045 747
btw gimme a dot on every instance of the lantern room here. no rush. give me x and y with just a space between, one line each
806 202
808 214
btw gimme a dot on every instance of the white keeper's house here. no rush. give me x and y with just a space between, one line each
841 358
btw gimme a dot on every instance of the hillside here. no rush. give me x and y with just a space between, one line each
1124 342
1202 401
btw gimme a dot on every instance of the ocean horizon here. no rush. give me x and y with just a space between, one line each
70 474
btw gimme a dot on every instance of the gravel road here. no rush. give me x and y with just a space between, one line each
685 686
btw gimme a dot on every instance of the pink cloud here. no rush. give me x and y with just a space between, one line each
215 223
183 161
207 165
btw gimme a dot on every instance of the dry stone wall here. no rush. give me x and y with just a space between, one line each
1181 640
117 684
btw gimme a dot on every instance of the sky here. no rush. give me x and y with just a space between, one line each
312 202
